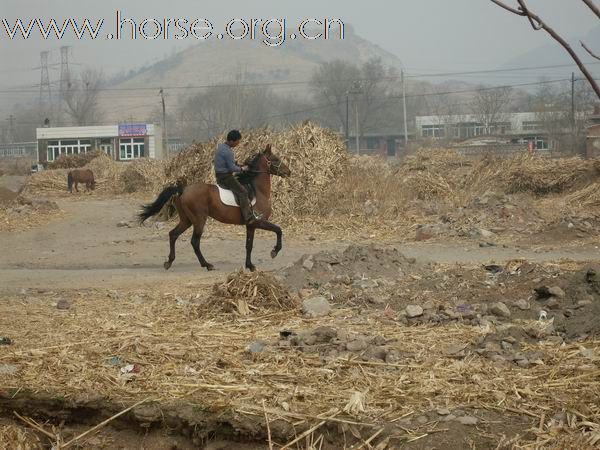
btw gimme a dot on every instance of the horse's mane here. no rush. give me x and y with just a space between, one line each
253 165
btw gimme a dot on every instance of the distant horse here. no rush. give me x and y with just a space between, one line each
85 176
196 202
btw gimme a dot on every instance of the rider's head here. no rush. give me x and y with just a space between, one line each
233 138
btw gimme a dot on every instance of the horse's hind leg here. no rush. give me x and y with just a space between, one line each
174 234
196 236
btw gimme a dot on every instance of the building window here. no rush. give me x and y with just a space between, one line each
372 143
434 131
131 148
500 127
67 147
532 126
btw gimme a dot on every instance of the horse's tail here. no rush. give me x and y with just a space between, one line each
153 209
70 181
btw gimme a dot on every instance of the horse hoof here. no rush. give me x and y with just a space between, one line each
274 253
210 267
251 268
167 265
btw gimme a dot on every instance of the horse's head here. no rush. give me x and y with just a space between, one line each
275 164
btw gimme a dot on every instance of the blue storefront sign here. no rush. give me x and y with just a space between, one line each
132 129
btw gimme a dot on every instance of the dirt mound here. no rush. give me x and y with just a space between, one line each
355 264
74 161
333 343
246 293
507 345
6 195
579 308
22 213
316 157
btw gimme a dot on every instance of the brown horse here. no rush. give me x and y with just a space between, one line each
77 176
195 203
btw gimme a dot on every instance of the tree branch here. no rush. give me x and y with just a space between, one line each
593 7
508 8
538 24
587 49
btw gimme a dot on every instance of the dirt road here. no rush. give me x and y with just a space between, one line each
88 249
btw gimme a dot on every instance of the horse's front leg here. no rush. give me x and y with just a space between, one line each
249 244
264 225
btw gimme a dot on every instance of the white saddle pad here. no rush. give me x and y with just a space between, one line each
228 199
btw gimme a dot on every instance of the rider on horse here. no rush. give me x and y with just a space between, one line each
225 167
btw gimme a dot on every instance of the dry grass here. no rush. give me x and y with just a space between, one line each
203 361
13 437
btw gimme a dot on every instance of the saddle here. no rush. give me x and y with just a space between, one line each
228 199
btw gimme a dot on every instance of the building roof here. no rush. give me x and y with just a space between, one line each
101 131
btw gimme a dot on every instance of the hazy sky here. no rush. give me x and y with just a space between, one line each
428 35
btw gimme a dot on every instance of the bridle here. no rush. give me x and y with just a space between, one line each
269 164
277 167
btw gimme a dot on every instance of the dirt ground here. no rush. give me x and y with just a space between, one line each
110 272
88 249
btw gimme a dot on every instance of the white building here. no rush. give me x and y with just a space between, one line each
123 142
466 126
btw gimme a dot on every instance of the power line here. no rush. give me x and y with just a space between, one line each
306 82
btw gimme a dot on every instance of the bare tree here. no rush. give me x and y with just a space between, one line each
552 107
81 98
538 24
490 106
332 84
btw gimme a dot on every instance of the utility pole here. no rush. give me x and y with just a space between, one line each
404 107
356 90
10 138
45 96
65 73
573 123
347 118
164 125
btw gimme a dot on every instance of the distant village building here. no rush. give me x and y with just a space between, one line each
123 142
523 130
593 135
19 150
386 143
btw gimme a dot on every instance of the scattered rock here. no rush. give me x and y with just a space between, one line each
485 233
553 303
63 305
123 225
468 420
256 347
357 345
556 291
5 341
443 411
308 263
316 307
523 305
413 311
500 309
